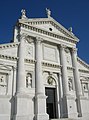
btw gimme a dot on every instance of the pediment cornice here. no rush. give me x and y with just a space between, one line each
53 22
40 21
82 62
44 32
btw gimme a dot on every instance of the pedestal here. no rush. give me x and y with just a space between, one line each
40 108
24 107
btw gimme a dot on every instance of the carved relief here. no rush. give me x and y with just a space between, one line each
68 57
29 80
29 51
3 84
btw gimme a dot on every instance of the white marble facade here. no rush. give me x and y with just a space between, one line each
41 76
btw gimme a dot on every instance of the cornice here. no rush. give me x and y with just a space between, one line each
84 71
53 22
51 65
70 68
42 31
83 63
6 57
10 45
30 61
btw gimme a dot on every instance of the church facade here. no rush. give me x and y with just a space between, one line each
41 76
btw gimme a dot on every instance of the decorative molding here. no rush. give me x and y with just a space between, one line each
84 71
30 61
53 23
83 63
51 65
10 45
70 68
26 26
8 57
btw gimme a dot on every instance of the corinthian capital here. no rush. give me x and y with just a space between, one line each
74 50
63 47
39 39
23 36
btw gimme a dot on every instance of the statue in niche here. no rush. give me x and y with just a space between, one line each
85 87
29 80
70 84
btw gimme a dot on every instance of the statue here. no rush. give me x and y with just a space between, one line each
28 80
23 13
70 85
48 12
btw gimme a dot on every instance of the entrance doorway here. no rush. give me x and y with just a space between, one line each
51 102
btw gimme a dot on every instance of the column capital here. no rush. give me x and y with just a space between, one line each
74 50
62 46
39 39
23 36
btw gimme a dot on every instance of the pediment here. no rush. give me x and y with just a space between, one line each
49 25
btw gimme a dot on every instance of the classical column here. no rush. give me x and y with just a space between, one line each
64 70
77 80
76 72
40 98
20 83
39 80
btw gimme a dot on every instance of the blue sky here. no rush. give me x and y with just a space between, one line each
73 13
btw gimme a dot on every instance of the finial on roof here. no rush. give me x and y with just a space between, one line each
23 14
48 11
70 29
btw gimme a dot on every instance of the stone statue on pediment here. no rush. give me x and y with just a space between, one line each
23 11
48 11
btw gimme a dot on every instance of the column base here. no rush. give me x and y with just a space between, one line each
24 107
5 117
40 107
70 109
28 117
42 117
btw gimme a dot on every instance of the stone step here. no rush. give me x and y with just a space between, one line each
67 119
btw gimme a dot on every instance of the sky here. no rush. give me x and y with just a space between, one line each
69 13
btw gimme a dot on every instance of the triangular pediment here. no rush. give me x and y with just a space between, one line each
49 25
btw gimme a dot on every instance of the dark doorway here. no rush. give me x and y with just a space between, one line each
51 102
